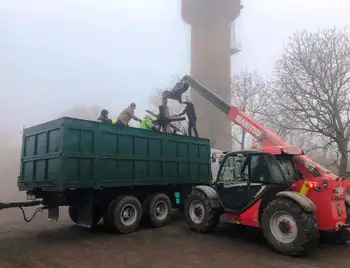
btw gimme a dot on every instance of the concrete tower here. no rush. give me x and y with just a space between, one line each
211 51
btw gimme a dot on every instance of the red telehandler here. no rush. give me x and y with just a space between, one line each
276 188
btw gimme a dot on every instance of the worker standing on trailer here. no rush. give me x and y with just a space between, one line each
104 118
147 123
127 114
190 111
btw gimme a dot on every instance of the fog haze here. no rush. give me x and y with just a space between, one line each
57 54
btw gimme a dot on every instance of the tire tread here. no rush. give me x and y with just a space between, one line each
213 215
306 221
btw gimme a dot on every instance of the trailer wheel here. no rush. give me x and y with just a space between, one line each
288 228
74 212
199 214
159 210
124 214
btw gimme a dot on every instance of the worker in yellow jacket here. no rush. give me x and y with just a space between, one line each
147 123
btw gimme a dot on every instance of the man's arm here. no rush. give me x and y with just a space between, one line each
105 120
183 112
111 121
133 116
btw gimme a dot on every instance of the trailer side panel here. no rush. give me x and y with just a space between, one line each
69 153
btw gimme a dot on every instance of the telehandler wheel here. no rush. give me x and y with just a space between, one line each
199 214
159 210
123 214
73 214
288 228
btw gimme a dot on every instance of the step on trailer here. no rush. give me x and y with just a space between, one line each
120 174
276 188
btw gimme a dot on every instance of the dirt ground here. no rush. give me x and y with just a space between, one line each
43 244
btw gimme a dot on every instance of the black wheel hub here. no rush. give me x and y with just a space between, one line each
284 226
198 212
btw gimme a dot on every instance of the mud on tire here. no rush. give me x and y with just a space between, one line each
282 213
199 214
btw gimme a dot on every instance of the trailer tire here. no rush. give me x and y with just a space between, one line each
159 210
123 214
199 214
288 228
74 212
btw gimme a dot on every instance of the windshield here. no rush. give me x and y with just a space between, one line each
233 167
288 168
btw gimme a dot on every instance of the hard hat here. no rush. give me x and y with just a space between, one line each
104 112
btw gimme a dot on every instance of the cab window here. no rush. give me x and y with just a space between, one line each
234 168
266 169
288 167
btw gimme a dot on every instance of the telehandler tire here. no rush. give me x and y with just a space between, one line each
288 228
200 216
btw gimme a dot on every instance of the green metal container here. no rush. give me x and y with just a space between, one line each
69 153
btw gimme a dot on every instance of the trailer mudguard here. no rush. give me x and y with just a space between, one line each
211 194
302 200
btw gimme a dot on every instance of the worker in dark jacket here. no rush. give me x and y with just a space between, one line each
104 118
190 111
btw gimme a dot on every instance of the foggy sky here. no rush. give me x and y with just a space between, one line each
55 54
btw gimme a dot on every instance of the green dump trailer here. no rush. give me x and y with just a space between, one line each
121 174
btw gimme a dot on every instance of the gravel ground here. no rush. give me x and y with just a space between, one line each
42 244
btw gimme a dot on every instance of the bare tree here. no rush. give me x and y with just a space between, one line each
248 90
312 89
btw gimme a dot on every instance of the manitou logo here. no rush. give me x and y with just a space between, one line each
248 126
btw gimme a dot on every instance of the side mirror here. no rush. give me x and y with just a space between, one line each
213 158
